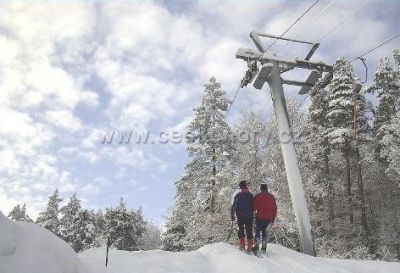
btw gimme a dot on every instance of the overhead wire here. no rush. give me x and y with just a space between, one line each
293 24
378 46
233 100
345 20
312 20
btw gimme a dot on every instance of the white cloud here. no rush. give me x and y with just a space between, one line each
64 119
37 94
90 189
9 161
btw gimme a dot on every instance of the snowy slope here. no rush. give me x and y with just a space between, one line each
224 258
29 248
26 247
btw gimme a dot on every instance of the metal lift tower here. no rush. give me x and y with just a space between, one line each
272 66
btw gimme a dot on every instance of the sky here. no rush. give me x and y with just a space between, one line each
73 73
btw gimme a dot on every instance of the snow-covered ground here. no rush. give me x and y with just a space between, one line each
224 258
28 248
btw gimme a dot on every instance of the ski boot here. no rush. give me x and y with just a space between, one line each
256 248
264 247
249 245
242 246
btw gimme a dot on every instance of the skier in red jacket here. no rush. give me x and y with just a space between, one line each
265 209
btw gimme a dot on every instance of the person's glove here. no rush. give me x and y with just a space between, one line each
276 225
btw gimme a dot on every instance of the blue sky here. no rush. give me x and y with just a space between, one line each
72 70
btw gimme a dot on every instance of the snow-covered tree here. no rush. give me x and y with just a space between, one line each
173 239
99 227
76 225
124 228
360 146
208 141
198 213
387 133
49 218
70 214
151 238
316 166
18 213
251 141
387 87
340 110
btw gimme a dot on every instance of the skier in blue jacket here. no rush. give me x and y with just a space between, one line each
242 208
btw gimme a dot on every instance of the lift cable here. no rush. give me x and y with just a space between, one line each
293 24
344 21
312 20
233 100
376 47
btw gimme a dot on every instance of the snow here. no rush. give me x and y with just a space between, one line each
29 248
223 258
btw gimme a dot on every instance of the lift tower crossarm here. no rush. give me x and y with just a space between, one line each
255 37
296 83
249 54
256 33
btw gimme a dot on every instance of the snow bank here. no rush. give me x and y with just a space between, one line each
29 248
224 258
26 247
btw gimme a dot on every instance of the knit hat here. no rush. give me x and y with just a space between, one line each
264 187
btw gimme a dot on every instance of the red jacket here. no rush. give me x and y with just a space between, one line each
265 206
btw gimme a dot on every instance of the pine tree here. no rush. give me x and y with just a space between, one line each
340 109
207 139
70 215
151 238
387 132
319 183
124 228
360 145
99 228
18 213
49 218
173 238
76 225
201 213
387 87
87 229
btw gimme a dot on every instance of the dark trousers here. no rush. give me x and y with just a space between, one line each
245 223
261 230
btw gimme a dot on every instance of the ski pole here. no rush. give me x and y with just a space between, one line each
230 232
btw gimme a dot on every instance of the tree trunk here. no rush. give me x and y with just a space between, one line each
214 174
348 184
398 218
360 183
331 193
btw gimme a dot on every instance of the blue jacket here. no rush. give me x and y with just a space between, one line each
242 204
